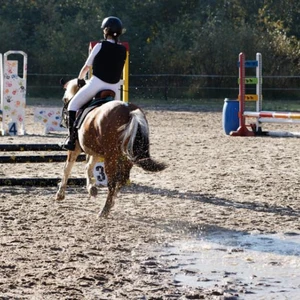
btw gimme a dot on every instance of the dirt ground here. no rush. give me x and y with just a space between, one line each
61 250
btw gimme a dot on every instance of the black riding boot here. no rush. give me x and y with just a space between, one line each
70 142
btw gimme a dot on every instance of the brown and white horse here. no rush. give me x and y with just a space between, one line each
117 133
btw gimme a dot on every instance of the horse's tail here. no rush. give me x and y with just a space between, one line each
135 142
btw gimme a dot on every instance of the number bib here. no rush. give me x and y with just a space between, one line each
99 174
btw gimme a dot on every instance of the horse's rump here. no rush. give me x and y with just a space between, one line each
99 130
120 130
135 141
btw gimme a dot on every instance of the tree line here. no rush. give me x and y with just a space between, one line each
180 37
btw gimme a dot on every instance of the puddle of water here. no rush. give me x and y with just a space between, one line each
259 266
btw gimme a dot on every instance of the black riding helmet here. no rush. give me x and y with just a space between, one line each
113 25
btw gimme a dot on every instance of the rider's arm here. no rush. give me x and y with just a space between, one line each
89 61
94 52
83 72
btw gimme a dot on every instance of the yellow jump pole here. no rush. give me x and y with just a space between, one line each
125 95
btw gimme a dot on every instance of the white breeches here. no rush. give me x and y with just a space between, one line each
92 87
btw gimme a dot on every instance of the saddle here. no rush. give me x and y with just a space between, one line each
99 99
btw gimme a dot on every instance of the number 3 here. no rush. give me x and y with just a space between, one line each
99 174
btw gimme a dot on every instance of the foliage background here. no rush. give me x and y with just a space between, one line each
178 48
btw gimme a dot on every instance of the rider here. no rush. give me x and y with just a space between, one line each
107 59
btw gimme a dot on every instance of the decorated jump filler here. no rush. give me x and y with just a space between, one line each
50 117
234 114
13 99
13 94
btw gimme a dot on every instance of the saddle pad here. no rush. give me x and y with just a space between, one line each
83 112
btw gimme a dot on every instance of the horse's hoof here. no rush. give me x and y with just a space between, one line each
59 197
93 191
103 214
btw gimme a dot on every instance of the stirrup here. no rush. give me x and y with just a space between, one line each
69 145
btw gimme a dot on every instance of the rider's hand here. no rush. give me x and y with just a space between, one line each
80 82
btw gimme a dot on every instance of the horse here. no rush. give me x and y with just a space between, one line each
117 133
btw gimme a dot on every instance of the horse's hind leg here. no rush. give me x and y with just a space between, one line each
110 200
90 184
72 156
111 172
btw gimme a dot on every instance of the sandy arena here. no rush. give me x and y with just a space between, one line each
61 250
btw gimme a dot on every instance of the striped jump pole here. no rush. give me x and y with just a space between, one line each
274 117
30 147
41 158
41 182
37 159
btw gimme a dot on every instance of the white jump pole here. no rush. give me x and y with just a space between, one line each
274 117
259 88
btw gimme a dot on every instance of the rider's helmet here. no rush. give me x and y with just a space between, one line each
113 25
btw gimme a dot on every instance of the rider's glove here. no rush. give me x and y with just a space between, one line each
80 82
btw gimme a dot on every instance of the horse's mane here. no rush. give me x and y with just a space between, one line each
71 89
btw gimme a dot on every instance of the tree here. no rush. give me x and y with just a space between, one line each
171 36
